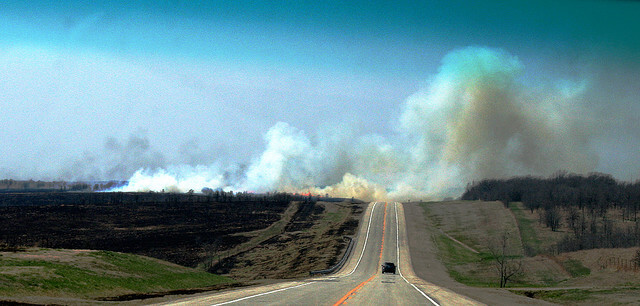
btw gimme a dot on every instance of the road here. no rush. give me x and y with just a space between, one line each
382 237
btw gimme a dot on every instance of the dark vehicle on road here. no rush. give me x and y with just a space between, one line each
389 267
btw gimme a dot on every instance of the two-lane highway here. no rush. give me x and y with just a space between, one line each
360 282
378 288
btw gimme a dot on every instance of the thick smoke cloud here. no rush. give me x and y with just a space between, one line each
475 119
288 162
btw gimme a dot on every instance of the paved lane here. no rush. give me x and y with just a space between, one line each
389 289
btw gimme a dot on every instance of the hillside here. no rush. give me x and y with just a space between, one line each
595 211
307 238
45 276
469 236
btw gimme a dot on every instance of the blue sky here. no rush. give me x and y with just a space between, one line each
388 38
204 80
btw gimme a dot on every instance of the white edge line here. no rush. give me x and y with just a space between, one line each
261 294
364 247
287 288
398 256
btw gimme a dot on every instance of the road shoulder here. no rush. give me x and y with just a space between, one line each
443 295
426 265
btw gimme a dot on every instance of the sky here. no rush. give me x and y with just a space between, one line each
389 98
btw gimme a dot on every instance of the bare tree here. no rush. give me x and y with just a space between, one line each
506 265
552 218
636 258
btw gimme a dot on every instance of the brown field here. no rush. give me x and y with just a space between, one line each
462 220
300 247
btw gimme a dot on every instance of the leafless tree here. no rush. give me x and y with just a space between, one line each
552 218
636 258
506 265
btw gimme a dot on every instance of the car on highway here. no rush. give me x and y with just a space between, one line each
389 267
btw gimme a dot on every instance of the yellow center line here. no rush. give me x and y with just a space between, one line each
358 287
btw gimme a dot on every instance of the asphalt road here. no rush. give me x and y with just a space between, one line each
382 237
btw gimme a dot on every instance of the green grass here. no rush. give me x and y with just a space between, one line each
467 241
575 268
559 296
334 216
581 296
528 235
331 218
454 255
454 252
108 274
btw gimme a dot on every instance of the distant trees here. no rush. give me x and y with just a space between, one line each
583 203
636 258
596 193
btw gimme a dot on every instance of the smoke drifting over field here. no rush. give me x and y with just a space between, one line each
116 160
474 119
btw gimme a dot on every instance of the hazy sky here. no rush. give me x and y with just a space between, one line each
158 83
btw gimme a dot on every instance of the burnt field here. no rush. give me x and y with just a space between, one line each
176 227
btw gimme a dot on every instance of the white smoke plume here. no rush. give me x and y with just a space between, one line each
289 162
475 119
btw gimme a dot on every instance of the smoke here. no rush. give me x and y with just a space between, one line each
174 179
289 161
475 119
116 161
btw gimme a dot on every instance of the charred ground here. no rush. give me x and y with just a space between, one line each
187 229
246 237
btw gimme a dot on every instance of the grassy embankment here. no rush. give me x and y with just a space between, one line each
94 275
477 226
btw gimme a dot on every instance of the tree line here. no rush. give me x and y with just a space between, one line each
11 185
598 210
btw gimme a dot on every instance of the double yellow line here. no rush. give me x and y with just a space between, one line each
353 291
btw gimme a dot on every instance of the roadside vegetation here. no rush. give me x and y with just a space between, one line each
492 231
531 243
96 275
589 296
